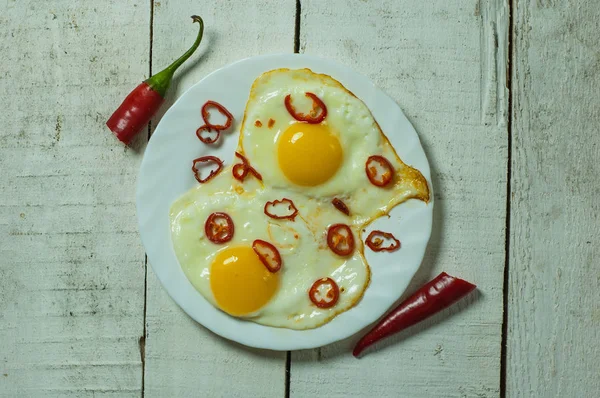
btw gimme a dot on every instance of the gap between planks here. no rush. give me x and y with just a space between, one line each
509 60
288 355
143 337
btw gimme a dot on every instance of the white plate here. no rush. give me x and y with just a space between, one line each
165 174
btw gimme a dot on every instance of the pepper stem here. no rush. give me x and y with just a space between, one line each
161 81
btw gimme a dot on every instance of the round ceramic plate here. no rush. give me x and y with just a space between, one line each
166 174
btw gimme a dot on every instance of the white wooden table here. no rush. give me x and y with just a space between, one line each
507 108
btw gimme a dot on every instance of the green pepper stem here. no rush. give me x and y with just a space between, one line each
161 81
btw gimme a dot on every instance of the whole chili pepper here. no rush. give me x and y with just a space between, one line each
144 101
440 293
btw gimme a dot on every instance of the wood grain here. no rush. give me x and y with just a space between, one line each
445 65
71 263
182 357
554 311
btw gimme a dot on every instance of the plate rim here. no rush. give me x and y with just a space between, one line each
299 343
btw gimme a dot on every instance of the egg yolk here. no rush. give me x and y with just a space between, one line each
240 282
309 154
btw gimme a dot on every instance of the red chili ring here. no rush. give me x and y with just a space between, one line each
236 174
222 110
205 159
309 118
333 294
334 239
372 172
207 140
211 224
268 255
376 245
291 207
246 169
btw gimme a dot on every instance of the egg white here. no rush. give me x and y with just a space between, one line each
305 259
350 120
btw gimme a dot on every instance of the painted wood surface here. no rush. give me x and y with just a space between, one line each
554 296
182 357
71 261
445 66
80 315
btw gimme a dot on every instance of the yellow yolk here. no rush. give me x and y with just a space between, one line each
309 154
240 282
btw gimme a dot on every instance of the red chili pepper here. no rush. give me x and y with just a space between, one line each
222 110
206 159
268 255
207 139
241 170
144 101
331 296
340 239
341 206
379 177
291 208
435 296
312 117
376 239
217 231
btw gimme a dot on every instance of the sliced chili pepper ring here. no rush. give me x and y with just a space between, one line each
206 115
207 139
313 117
379 170
219 228
206 159
241 170
376 239
327 298
250 169
268 255
341 206
291 211
340 239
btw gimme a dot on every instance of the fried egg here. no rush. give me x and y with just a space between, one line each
231 276
324 160
311 140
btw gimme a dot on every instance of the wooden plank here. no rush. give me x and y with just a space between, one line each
445 65
71 264
182 357
553 347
